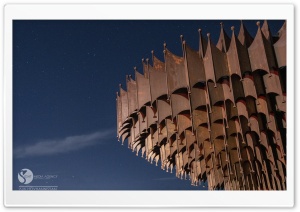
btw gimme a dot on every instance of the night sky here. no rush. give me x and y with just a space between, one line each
65 78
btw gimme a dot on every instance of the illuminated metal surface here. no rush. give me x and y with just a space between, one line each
216 115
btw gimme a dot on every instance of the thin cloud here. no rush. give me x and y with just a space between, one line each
67 144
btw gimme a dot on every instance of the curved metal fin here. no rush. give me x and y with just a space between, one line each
266 31
202 44
244 36
176 74
143 89
224 40
145 67
280 47
157 64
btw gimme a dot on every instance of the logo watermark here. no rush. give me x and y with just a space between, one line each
25 176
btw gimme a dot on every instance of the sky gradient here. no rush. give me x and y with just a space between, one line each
65 78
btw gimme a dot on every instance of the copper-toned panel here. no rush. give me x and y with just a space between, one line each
181 144
199 117
149 144
216 94
124 136
247 154
259 83
195 66
272 124
217 130
132 96
237 87
227 90
170 128
250 141
167 150
162 135
258 61
216 113
185 158
223 159
280 47
180 103
202 134
231 129
254 125
237 55
174 148
145 68
265 60
203 166
268 41
151 116
280 104
266 31
264 139
162 154
224 40
142 122
220 63
143 89
242 108
155 137
219 145
158 83
231 142
136 128
234 157
272 84
208 149
244 60
231 110
119 112
126 127
202 44
251 105
176 73
244 36
190 138
198 97
158 65
124 104
209 64
180 162
270 155
197 149
249 87
262 106
281 168
183 122
164 110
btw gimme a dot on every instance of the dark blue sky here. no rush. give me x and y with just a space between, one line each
65 78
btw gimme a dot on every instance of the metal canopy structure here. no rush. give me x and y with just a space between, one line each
215 115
